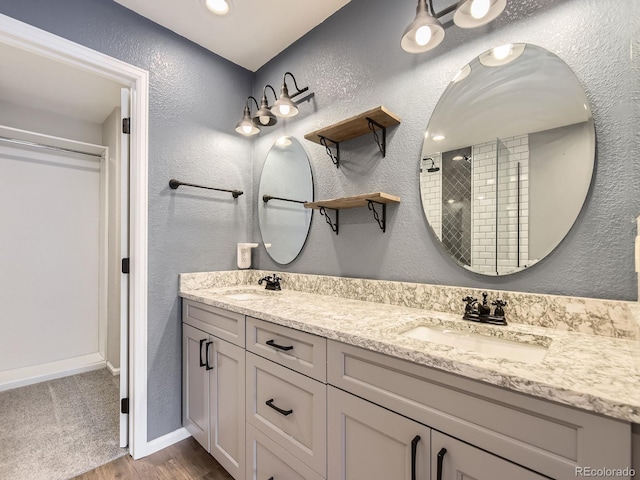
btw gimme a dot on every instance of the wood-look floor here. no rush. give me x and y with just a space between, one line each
185 460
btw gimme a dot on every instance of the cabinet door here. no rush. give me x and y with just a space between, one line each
195 384
366 441
226 390
461 461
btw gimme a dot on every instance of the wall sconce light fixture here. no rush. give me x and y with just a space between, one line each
266 116
426 32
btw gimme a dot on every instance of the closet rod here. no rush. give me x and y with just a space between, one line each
48 147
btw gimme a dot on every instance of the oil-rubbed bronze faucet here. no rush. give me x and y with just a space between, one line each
272 282
481 312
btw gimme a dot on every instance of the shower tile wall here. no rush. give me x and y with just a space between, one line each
456 204
431 189
509 151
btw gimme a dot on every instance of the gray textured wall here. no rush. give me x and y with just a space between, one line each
353 62
194 102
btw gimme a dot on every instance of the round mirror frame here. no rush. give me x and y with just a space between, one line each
488 154
283 220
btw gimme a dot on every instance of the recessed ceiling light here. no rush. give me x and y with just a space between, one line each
451 200
219 7
458 158
438 138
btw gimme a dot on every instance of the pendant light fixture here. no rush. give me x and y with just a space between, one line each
475 13
285 107
425 32
246 126
263 117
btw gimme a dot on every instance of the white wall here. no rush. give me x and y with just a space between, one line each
559 182
111 138
35 120
48 256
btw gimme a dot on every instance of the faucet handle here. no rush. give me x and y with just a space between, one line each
468 308
499 304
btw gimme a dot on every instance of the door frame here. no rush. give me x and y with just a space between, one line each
35 40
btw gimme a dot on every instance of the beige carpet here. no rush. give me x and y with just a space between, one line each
58 429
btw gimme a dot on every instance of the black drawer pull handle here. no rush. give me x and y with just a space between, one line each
440 460
279 410
273 344
202 364
206 354
414 454
270 478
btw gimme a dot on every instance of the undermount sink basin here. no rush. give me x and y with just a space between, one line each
247 294
478 343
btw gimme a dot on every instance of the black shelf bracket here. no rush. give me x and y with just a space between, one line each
382 222
334 226
334 158
382 145
174 184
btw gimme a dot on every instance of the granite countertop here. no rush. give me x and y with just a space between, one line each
595 373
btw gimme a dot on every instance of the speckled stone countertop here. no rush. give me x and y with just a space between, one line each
596 373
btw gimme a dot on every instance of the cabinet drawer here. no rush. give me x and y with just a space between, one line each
544 436
266 459
223 324
296 419
300 351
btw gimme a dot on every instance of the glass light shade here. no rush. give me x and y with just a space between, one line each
245 126
424 33
468 13
264 117
284 106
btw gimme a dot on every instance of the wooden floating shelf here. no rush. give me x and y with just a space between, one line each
354 201
355 126
369 200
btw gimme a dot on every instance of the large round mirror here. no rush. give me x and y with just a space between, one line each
507 159
285 185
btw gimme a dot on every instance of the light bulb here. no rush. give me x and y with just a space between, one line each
502 52
246 129
438 138
219 7
285 110
423 35
479 8
264 120
284 141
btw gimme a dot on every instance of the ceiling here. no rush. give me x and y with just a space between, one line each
67 91
280 23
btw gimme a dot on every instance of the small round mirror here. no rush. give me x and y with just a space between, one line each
507 159
286 184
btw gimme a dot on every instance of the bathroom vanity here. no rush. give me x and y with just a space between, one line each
296 385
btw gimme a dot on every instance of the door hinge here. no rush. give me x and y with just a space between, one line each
124 405
125 265
126 125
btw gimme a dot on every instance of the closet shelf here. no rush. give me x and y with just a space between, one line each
369 200
371 121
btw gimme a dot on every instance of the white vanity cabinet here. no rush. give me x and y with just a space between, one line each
540 436
368 441
287 407
213 383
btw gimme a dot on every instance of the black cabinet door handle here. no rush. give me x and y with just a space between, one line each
206 356
440 460
414 454
273 344
202 364
279 410
270 478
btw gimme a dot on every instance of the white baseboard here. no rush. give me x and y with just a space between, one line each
19 377
166 440
114 371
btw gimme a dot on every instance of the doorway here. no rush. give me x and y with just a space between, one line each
50 48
